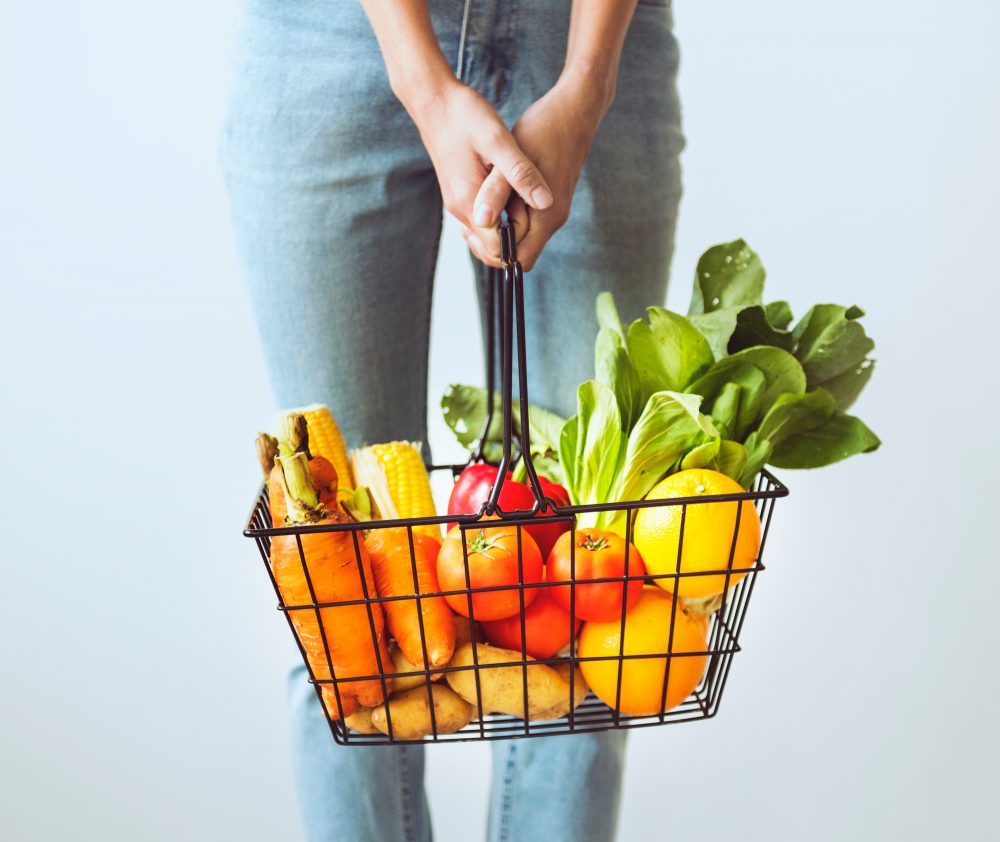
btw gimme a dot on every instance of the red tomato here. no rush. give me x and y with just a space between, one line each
546 534
546 626
492 555
599 554
472 489
559 495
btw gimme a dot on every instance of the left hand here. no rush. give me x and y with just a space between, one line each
555 132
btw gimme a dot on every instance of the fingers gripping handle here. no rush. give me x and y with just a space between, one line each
507 284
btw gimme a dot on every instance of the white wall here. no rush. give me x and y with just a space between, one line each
853 144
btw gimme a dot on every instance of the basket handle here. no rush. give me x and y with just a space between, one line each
507 284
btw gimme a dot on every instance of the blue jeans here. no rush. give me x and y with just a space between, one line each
337 216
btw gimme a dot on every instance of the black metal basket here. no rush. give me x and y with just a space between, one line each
725 617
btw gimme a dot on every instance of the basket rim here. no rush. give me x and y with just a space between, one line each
776 490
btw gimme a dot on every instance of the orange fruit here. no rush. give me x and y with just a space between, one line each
647 632
708 534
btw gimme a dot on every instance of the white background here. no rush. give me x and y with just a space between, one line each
853 144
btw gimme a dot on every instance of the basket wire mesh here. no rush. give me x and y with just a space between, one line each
725 623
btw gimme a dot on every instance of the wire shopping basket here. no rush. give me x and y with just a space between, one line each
491 693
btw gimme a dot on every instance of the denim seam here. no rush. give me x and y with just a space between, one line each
406 794
428 311
508 795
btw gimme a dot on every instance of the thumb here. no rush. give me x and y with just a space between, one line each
522 174
490 200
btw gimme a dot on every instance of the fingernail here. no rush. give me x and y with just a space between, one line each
483 215
541 198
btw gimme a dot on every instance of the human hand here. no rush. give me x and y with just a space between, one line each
467 141
555 132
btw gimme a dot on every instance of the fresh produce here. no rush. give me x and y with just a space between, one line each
389 549
731 387
502 688
334 567
647 632
466 631
361 721
594 554
321 472
396 476
400 664
326 441
546 627
472 489
708 536
493 561
546 534
410 713
473 486
580 691
465 409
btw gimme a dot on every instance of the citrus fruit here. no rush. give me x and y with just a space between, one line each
647 632
708 534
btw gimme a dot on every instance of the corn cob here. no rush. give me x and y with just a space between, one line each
398 481
325 440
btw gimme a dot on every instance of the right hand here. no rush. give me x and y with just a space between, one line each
466 140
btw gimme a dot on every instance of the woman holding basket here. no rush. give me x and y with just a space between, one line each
351 128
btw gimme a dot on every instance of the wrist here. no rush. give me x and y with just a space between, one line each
421 85
591 82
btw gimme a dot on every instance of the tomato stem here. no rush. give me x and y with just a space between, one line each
482 545
589 542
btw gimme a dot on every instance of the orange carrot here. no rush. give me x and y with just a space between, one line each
390 554
333 565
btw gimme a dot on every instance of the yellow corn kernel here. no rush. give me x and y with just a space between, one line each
325 440
406 481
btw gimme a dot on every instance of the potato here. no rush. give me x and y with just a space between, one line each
411 716
580 691
400 664
502 688
361 721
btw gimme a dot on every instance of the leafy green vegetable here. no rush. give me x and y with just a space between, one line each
779 314
728 275
840 437
762 373
832 345
590 445
669 427
607 314
464 410
614 368
727 457
792 414
717 327
668 352
754 327
730 387
758 452
846 386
